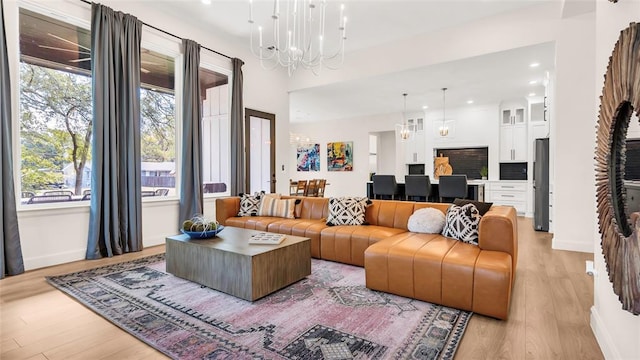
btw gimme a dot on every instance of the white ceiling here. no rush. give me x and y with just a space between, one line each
504 75
486 79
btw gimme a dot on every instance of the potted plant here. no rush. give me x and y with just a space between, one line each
484 172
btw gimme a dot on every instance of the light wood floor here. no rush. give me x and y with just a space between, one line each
549 316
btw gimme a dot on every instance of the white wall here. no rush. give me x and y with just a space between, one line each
345 183
387 153
53 236
573 134
617 331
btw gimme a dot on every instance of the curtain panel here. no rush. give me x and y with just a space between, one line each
238 170
115 225
11 262
191 170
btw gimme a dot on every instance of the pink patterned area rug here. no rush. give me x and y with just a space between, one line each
328 315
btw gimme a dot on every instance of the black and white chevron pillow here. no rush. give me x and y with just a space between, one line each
347 211
462 223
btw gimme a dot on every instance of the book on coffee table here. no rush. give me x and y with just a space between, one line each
266 239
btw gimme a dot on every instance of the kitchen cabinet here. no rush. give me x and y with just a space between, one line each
513 143
414 150
512 193
513 116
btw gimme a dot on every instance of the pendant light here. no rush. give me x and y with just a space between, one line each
444 130
405 131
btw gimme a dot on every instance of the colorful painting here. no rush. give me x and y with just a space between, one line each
340 156
308 157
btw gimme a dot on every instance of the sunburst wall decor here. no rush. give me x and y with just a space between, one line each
620 238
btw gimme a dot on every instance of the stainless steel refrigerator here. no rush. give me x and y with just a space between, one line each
541 185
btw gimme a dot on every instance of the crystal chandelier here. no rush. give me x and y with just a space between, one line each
298 37
405 131
444 130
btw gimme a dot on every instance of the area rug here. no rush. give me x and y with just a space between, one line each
328 315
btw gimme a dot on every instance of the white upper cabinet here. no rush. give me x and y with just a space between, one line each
513 133
513 116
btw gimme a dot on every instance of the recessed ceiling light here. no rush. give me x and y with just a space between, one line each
469 101
532 94
206 2
68 67
424 107
535 64
533 82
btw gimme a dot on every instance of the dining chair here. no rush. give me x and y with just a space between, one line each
301 187
312 188
452 186
418 186
322 183
293 186
385 185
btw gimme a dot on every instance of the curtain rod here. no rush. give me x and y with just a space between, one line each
170 34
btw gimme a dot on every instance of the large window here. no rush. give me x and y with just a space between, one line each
55 109
157 124
214 89
56 113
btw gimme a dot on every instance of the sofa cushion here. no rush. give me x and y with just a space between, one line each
483 207
347 211
249 205
462 223
427 221
272 206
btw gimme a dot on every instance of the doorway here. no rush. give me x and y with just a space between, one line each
260 137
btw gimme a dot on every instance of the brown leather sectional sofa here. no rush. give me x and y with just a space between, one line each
427 267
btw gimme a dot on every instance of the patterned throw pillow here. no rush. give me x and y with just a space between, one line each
347 211
462 223
249 204
273 206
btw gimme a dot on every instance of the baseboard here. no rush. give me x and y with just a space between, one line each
154 241
579 246
602 336
54 259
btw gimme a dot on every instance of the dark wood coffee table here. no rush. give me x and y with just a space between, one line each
230 264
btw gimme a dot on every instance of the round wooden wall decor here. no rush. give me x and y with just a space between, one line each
620 233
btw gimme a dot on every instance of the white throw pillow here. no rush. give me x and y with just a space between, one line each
426 220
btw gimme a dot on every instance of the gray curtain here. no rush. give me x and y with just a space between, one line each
115 225
10 250
191 173
238 180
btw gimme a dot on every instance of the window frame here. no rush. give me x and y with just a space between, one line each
74 14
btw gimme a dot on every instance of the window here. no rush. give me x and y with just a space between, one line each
216 131
55 109
157 124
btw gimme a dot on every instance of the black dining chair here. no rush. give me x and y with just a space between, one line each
452 186
385 185
418 186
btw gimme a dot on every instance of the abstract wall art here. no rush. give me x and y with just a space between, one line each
340 156
308 157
